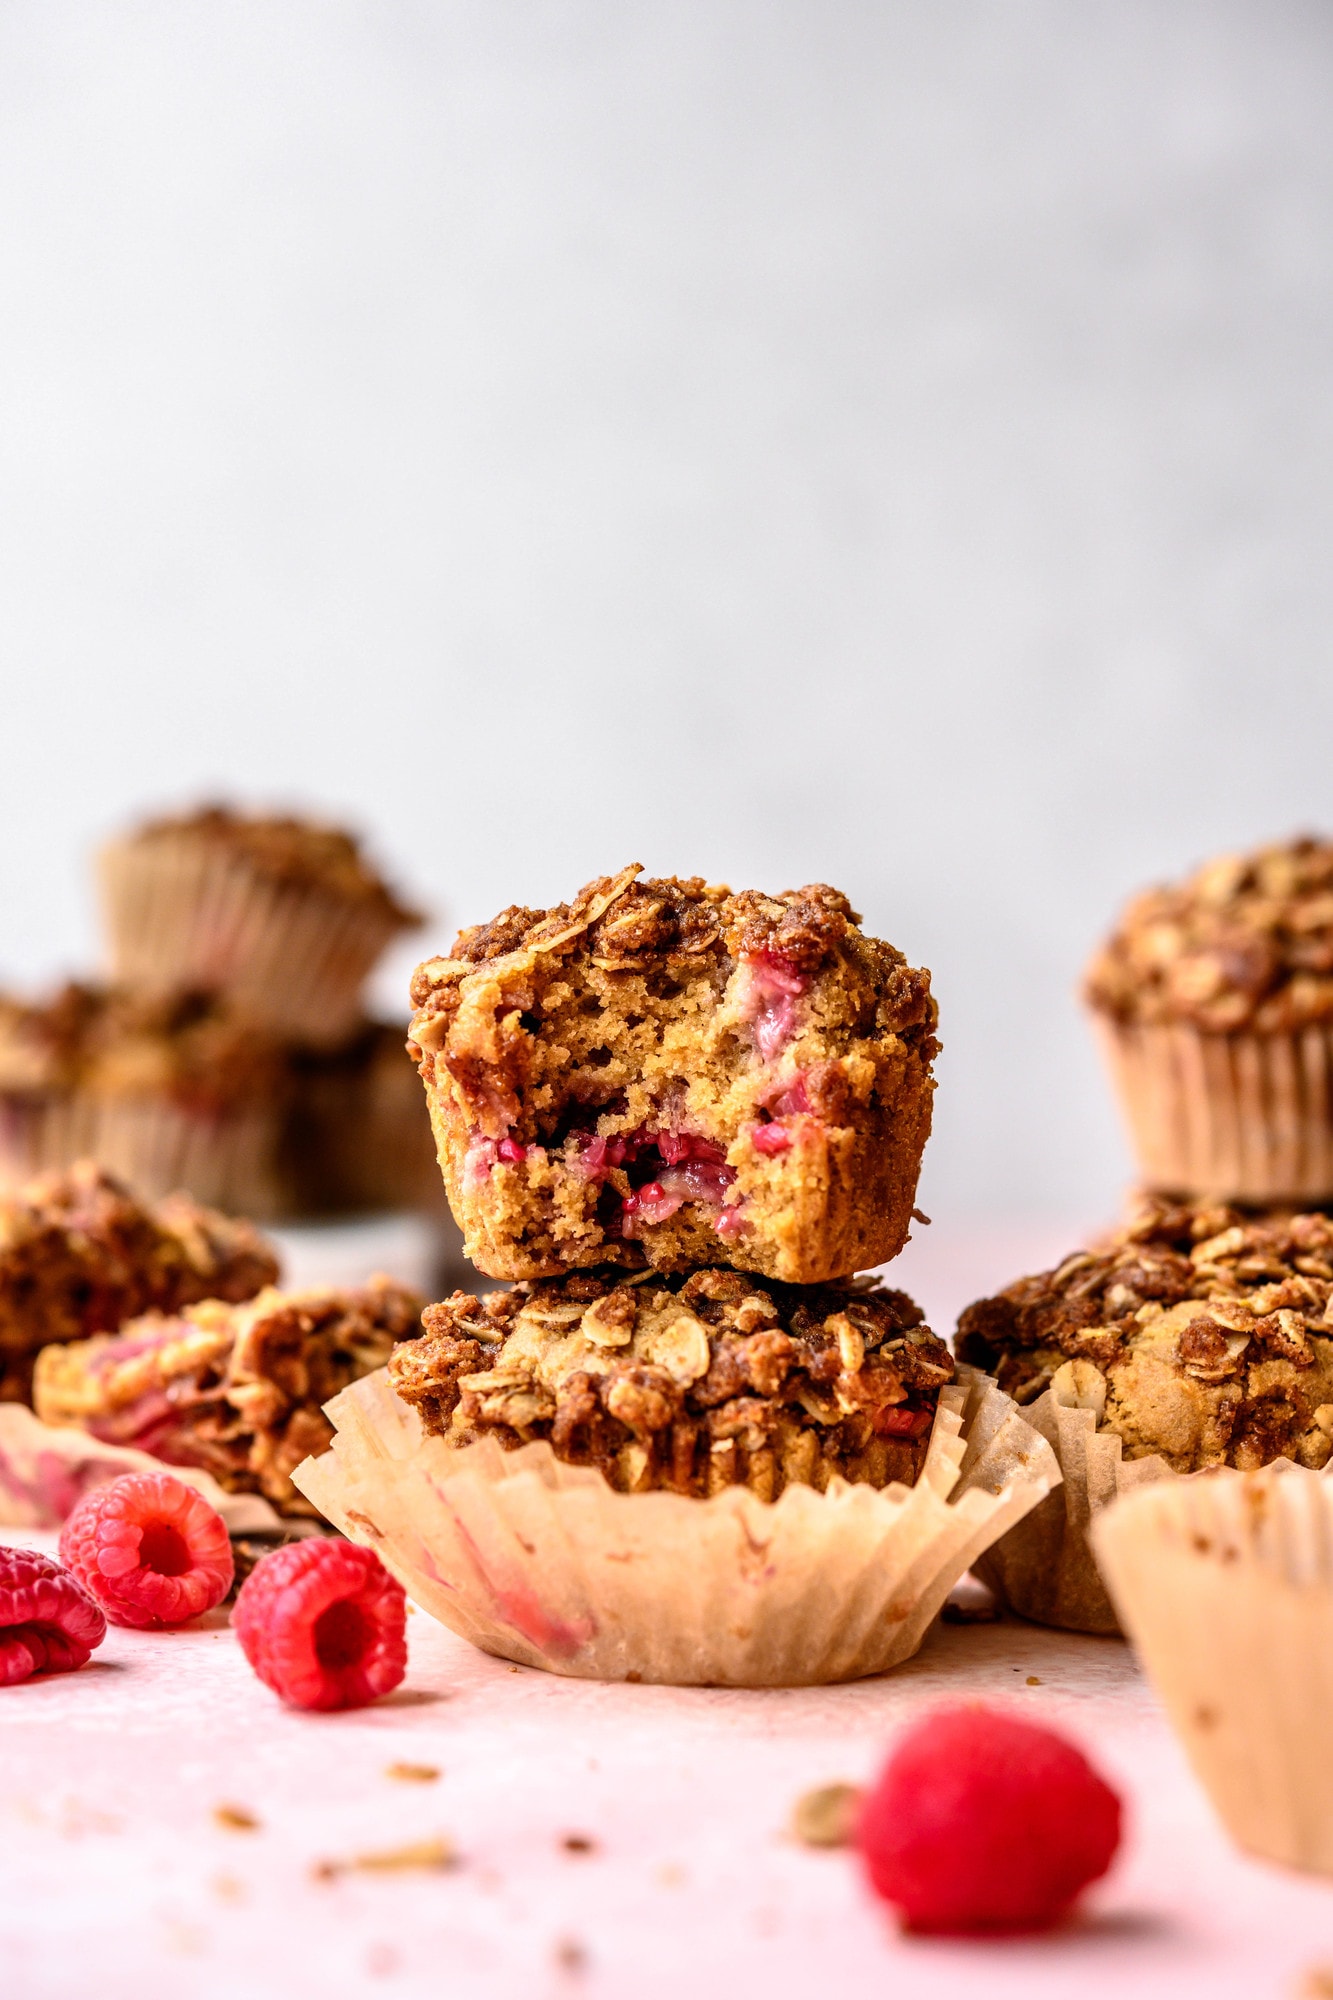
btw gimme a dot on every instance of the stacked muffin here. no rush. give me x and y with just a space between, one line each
1199 1334
686 1442
230 1052
684 1119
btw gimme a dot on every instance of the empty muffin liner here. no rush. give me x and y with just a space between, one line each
1242 1117
293 957
45 1470
1224 1583
543 1563
1044 1567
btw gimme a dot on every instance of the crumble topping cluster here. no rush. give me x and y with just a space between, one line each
1245 943
688 1384
1212 1329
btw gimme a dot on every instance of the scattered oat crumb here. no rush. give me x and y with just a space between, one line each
413 1774
237 1819
671 1874
436 1853
578 1843
1206 1718
1034 1680
229 1889
825 1816
185 1938
1317 1983
381 1959
969 1612
511 1670
570 1955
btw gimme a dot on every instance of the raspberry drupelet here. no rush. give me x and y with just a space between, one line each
981 1822
323 1624
48 1622
149 1549
661 1073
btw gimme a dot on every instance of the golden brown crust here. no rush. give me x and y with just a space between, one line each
281 848
685 1384
1245 943
661 1070
1210 1331
237 1390
78 1255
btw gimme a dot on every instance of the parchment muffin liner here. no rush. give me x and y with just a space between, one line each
543 1563
45 1470
1224 1583
226 1159
1242 1117
1044 1568
293 957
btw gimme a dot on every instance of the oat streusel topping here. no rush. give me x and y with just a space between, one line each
237 1390
689 1384
1198 1331
285 849
1246 942
78 1255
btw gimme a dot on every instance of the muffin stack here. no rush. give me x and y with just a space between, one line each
229 1053
677 1122
1199 1334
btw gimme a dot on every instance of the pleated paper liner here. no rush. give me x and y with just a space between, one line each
1224 1582
292 957
225 1159
45 1470
1044 1567
544 1563
1243 1117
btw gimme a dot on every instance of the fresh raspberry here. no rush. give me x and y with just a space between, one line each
981 1822
149 1549
48 1622
323 1624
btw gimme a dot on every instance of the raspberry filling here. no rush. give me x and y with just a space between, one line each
770 989
484 1154
664 1169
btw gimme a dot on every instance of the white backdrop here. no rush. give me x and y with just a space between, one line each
882 443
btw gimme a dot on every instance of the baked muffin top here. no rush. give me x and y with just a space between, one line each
284 848
627 922
1195 1331
1246 942
189 1046
687 1384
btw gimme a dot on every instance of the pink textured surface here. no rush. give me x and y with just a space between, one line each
118 1883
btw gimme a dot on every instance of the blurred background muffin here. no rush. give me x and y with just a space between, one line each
1213 1002
285 915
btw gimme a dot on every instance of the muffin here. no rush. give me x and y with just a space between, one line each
285 916
660 1073
357 1136
697 1480
1225 1586
1213 1003
685 1384
79 1255
234 1390
1196 1336
171 1092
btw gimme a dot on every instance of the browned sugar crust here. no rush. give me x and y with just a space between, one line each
189 1047
1210 1329
664 1074
236 1390
685 1384
1246 942
78 1255
300 852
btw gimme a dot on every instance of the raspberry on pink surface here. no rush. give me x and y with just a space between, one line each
323 1624
983 1823
150 1550
48 1622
